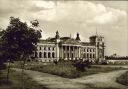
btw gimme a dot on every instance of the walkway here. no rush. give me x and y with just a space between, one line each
56 82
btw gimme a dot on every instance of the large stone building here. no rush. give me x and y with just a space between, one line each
67 48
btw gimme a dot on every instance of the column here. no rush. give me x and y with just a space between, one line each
46 54
57 51
73 52
79 52
62 52
66 52
42 54
69 52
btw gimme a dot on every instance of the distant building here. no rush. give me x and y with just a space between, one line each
116 59
67 48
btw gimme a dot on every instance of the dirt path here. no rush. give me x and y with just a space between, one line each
98 80
103 79
53 81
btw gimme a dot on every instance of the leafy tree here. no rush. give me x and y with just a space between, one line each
19 40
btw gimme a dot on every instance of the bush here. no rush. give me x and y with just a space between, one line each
81 65
2 66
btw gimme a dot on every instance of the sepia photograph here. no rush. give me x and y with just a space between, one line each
63 44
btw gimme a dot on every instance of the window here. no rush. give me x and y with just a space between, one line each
64 48
87 50
64 55
68 48
36 54
93 55
48 48
53 48
45 55
40 54
49 55
90 50
44 48
87 55
72 55
84 55
71 48
53 55
90 55
68 55
93 50
40 48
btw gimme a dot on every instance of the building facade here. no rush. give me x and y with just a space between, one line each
67 48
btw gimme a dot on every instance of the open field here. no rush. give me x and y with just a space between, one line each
64 69
95 81
15 81
62 76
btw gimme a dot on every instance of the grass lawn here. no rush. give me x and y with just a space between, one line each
15 81
64 69
123 79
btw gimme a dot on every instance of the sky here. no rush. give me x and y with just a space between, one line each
107 18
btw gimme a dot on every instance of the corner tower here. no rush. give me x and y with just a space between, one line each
98 41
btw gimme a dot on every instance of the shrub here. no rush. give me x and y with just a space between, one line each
2 66
81 65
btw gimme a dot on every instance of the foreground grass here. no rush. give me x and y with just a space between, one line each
15 81
123 79
90 86
64 69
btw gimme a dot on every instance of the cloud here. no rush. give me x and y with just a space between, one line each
79 11
110 16
74 11
73 16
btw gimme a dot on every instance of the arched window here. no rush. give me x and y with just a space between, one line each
53 55
45 48
87 50
49 55
90 55
40 48
87 55
93 55
49 48
36 54
72 55
64 55
67 55
84 55
45 55
40 54
53 48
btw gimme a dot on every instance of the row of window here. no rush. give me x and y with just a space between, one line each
88 55
45 55
89 50
69 48
46 48
52 55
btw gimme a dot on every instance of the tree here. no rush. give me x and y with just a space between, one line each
19 40
1 52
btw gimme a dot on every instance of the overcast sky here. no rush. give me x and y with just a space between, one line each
110 18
